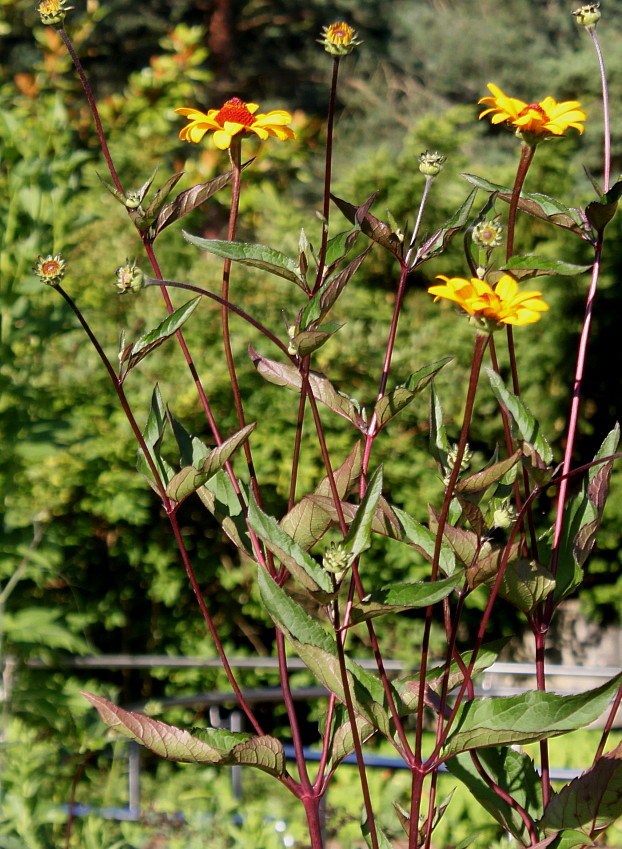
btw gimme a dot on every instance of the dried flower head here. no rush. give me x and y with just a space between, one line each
488 234
53 12
339 39
534 122
50 270
490 307
587 15
235 118
129 278
431 164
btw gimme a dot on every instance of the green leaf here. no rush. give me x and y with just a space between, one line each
538 205
439 444
192 450
206 746
437 243
371 226
384 520
153 435
589 803
526 584
382 840
257 256
359 533
308 341
600 213
526 718
390 405
338 246
515 773
221 499
526 423
133 354
189 479
424 540
524 267
322 302
285 374
307 522
343 739
397 597
297 561
318 651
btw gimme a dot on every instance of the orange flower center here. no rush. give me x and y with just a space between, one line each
536 107
236 112
50 267
340 33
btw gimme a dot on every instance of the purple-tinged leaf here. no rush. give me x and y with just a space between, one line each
188 200
479 481
343 740
308 341
307 522
590 802
384 520
526 584
285 374
204 746
439 240
600 213
371 226
390 405
324 299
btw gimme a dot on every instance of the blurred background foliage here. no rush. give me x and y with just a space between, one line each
87 564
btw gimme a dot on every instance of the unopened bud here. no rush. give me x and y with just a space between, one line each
53 12
336 559
431 164
505 515
339 39
129 278
50 270
587 15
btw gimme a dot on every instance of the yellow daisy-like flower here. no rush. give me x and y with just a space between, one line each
539 120
235 117
489 306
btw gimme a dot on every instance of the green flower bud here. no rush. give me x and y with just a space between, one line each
431 164
588 15
505 515
129 278
50 270
336 559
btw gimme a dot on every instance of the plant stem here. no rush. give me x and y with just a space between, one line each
606 115
327 174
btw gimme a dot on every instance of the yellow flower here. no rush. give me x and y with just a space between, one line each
235 117
539 120
53 11
491 307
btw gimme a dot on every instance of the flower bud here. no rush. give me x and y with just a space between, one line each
505 515
336 559
452 456
339 39
129 278
488 234
50 270
587 15
53 12
431 164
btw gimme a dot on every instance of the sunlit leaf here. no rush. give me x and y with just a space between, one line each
133 354
257 256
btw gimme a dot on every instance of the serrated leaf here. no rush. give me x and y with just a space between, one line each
371 226
590 802
189 479
538 205
528 426
526 584
438 241
257 256
359 532
307 522
525 718
188 200
318 650
391 404
154 338
285 374
297 561
406 596
536 266
515 773
424 540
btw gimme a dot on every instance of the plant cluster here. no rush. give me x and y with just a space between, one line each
487 541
